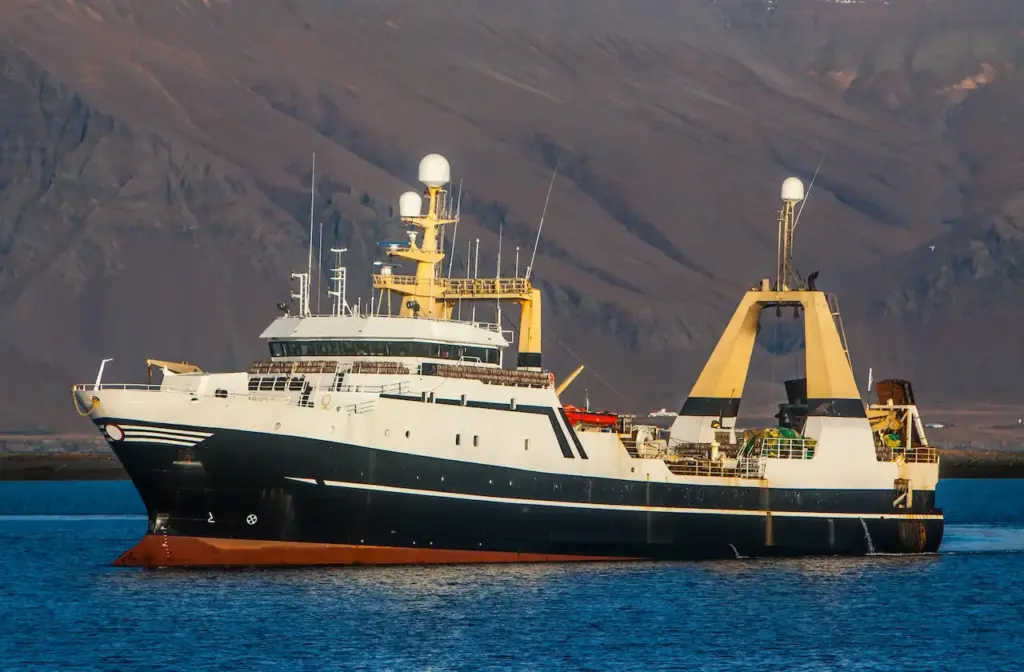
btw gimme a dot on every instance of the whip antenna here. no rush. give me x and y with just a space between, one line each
543 212
455 233
809 187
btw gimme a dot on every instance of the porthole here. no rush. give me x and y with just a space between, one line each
476 441
458 439
277 425
526 444
407 433
387 432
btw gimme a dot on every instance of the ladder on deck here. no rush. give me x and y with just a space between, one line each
833 307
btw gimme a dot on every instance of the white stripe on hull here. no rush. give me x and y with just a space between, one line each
610 507
162 435
152 439
179 433
149 434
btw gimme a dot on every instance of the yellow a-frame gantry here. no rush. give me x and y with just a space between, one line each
714 401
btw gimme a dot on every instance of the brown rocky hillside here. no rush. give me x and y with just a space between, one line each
155 161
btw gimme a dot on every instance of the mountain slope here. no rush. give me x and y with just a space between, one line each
154 169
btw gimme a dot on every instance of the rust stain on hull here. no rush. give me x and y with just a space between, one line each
168 551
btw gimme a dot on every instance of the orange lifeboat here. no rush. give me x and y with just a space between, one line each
581 416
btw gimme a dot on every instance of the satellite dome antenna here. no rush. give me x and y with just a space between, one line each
410 205
792 193
793 189
434 171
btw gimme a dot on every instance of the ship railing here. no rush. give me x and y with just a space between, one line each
486 286
750 467
92 387
219 393
389 388
693 449
361 407
781 448
487 374
489 326
911 455
744 467
480 288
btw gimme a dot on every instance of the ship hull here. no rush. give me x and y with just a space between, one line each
250 499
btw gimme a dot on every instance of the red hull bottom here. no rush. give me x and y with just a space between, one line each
170 551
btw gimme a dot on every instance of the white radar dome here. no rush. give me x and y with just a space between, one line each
793 189
435 171
410 204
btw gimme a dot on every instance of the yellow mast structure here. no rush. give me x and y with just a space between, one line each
428 294
831 389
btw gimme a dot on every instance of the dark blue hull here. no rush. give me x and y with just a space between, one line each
308 494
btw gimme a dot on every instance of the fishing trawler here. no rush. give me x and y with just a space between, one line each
379 437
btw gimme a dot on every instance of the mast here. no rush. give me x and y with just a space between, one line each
497 275
312 198
430 294
792 193
319 267
476 273
338 277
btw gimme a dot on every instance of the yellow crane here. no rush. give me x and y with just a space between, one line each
568 381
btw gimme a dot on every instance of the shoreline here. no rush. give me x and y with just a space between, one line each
95 466
61 467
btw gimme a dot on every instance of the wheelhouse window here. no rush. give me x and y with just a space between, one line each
336 348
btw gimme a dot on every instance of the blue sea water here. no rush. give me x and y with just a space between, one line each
63 607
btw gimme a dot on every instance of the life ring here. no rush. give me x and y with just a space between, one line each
551 378
325 401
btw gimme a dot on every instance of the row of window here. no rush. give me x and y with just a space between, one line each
383 349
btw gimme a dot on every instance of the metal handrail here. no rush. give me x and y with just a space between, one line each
281 396
92 387
361 407
782 448
459 286
745 467
912 455
371 389
489 326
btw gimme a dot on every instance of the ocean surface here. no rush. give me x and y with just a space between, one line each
63 607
